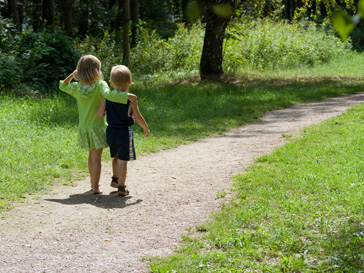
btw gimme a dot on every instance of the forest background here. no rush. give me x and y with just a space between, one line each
41 41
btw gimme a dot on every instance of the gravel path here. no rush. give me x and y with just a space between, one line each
72 230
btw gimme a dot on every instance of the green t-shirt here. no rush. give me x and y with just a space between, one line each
89 98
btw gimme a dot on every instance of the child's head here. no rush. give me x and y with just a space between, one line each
89 69
120 76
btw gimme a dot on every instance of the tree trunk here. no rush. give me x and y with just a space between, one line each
211 59
126 27
134 22
36 22
67 16
112 4
83 21
48 12
13 10
323 11
287 10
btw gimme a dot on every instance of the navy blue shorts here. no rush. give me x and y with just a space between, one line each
121 143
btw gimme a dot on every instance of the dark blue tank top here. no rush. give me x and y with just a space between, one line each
118 114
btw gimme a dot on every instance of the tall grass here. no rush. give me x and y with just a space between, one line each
259 47
299 209
266 46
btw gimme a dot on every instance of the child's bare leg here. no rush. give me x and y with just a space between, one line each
115 166
114 178
122 170
95 171
89 164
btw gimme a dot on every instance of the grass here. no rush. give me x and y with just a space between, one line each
38 143
299 209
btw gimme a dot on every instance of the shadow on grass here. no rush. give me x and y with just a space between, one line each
111 201
194 108
200 109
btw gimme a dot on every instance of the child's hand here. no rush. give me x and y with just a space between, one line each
133 98
146 133
70 77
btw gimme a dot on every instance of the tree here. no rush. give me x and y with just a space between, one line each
13 10
48 12
134 16
217 15
35 9
67 16
126 27
83 19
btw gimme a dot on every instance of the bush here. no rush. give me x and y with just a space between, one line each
268 46
34 61
46 57
153 54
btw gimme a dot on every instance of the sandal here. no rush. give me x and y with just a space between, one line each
122 191
114 182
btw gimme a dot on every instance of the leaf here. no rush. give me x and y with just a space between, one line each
361 8
193 10
343 23
223 11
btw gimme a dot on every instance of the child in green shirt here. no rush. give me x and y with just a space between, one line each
89 92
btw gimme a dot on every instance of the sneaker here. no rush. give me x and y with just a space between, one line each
114 182
122 191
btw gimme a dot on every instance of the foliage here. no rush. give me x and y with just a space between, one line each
46 57
259 46
357 36
344 23
34 61
299 209
266 46
153 54
161 16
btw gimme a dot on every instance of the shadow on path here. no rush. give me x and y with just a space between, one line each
111 201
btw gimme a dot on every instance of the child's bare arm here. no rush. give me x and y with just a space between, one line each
101 110
70 77
133 98
140 119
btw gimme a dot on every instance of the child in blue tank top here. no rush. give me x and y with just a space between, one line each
119 134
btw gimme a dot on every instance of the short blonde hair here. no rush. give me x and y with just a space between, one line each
120 75
89 69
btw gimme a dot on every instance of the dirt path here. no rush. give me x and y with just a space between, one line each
71 230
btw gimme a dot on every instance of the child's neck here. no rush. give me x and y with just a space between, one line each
122 89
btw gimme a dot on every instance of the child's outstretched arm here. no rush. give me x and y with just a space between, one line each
116 96
139 118
101 111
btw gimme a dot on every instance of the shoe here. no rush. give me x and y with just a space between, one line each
114 182
122 191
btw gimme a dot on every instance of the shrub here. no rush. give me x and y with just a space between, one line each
268 46
34 61
46 57
153 54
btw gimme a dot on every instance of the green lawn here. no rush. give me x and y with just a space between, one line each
299 209
38 143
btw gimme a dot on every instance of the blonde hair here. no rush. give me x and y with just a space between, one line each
89 69
120 75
